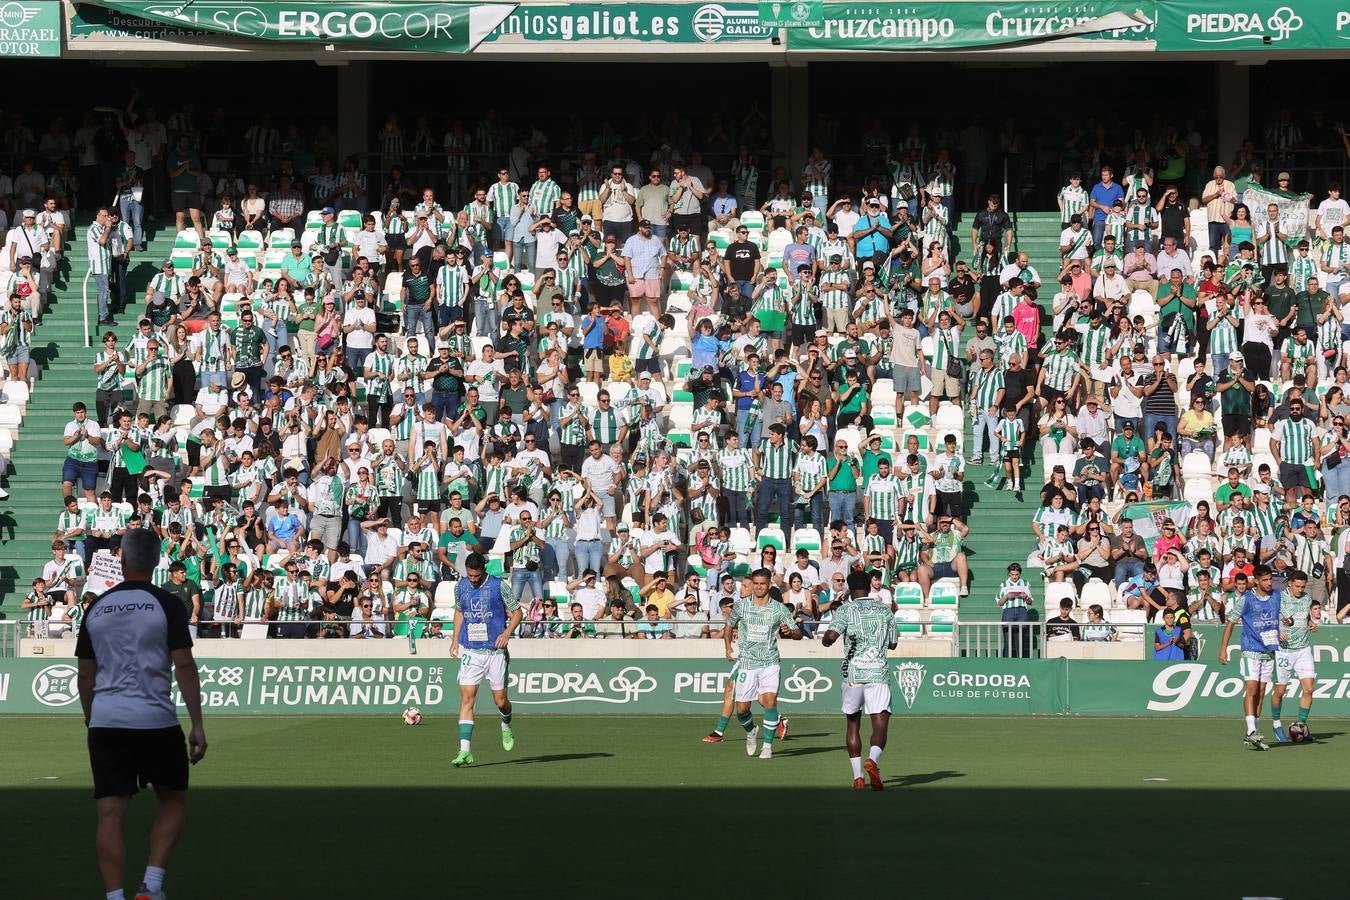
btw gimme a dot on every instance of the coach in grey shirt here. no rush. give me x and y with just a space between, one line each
132 635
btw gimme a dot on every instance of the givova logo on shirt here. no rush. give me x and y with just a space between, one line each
55 685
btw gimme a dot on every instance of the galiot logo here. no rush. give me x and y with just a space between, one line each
712 22
1228 27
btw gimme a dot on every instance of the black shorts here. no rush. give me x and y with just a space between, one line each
1293 476
1049 394
1237 423
394 242
651 364
124 760
184 200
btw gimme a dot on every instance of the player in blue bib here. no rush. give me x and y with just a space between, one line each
486 613
1259 612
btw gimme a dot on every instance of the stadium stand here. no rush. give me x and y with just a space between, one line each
677 376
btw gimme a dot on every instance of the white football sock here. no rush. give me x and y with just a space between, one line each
874 754
1251 724
856 763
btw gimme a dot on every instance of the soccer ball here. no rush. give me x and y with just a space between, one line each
1298 732
412 716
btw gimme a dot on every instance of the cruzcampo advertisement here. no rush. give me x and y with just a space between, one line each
946 25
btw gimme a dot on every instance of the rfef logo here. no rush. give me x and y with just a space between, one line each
55 685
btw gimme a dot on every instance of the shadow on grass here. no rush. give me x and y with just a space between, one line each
1322 737
553 758
929 838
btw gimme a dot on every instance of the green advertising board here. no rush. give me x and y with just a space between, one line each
946 25
639 686
801 14
1259 25
30 28
669 23
441 27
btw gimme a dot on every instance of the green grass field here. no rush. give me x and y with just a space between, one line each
638 807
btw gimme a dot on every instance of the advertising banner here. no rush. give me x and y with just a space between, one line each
1255 25
406 25
945 25
799 14
663 686
661 23
31 28
995 687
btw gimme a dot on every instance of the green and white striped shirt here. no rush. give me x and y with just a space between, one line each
757 631
100 255
605 424
946 344
776 462
1296 441
1274 252
451 284
1014 594
378 386
1075 200
735 466
1096 342
110 379
883 498
1223 336
834 289
985 385
803 304
502 197
544 196
647 350
152 383
810 470
1060 368
1301 268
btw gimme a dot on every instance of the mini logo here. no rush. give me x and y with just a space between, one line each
806 682
632 683
55 685
910 676
709 22
1284 22
15 15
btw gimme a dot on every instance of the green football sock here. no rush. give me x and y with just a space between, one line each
722 722
746 721
506 720
770 724
465 734
1303 712
1275 711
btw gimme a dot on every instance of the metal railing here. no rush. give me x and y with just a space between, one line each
10 632
1027 640
84 308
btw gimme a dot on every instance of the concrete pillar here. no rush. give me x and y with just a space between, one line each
789 111
353 112
1233 91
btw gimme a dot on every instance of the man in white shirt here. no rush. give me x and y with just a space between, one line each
1022 270
657 545
1331 212
1171 258
599 473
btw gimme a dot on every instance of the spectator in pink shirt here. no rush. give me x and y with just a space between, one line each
1027 320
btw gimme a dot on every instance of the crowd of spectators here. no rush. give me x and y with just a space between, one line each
630 383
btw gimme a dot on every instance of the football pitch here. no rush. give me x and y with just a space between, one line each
637 806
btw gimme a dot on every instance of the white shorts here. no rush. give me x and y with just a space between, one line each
474 665
870 698
1255 667
750 683
1292 664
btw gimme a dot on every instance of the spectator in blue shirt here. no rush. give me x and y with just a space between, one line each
747 387
1103 195
1167 640
1142 591
799 253
872 234
652 628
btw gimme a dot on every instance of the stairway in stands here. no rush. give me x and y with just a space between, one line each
28 517
1000 526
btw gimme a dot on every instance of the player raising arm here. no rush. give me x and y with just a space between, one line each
758 620
1259 612
1299 613
486 612
868 630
